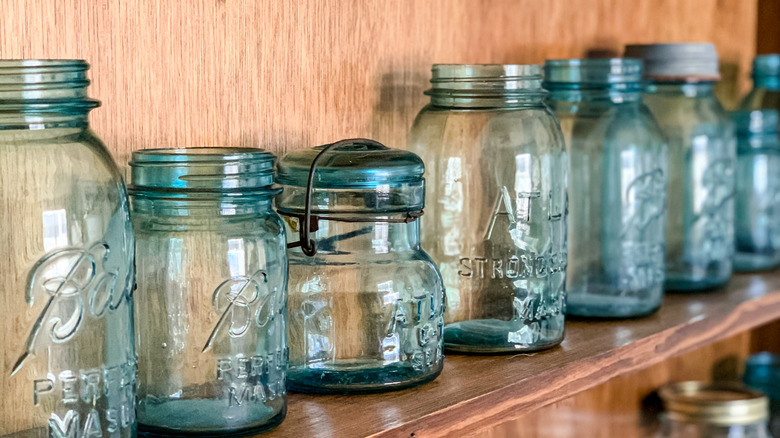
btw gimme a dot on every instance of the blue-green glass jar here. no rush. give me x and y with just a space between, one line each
757 225
702 161
211 303
496 215
766 85
617 184
762 373
366 302
67 358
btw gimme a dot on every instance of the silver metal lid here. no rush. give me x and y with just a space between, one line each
677 61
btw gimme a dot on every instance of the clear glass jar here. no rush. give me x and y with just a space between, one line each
766 85
701 410
702 161
762 373
617 159
496 217
68 362
757 225
211 303
366 302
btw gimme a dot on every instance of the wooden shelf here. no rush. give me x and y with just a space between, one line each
475 392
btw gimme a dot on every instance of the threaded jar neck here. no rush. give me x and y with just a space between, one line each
477 86
766 72
616 79
44 86
177 181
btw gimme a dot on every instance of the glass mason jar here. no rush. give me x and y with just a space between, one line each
700 410
766 84
211 303
702 160
496 216
757 225
618 162
68 362
366 301
762 373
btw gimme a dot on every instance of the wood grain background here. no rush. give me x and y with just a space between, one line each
292 74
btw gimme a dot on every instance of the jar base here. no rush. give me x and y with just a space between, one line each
613 306
357 381
197 411
490 336
748 262
694 285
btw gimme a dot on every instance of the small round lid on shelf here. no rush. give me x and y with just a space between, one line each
721 404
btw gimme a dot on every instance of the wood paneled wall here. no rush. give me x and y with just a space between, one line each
293 74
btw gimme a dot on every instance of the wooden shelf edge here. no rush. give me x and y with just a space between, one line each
478 392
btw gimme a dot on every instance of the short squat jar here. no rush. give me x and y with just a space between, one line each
702 162
766 85
757 225
617 179
703 410
366 302
67 358
496 217
211 309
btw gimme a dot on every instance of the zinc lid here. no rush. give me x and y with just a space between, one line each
677 61
714 403
202 169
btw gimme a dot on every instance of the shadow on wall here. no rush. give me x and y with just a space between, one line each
399 97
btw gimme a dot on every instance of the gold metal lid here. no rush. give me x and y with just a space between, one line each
720 404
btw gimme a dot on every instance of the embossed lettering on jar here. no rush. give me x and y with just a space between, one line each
702 161
67 267
758 191
617 175
496 217
211 303
366 302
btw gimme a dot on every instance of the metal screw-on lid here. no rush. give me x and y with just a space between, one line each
718 404
206 169
756 122
592 71
678 61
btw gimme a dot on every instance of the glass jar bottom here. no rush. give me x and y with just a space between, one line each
748 262
613 304
366 377
205 417
693 278
497 336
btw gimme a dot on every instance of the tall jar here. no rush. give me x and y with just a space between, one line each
766 84
757 225
617 175
496 217
211 303
702 161
702 410
366 301
67 356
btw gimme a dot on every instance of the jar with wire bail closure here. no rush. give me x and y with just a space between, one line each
366 302
211 305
